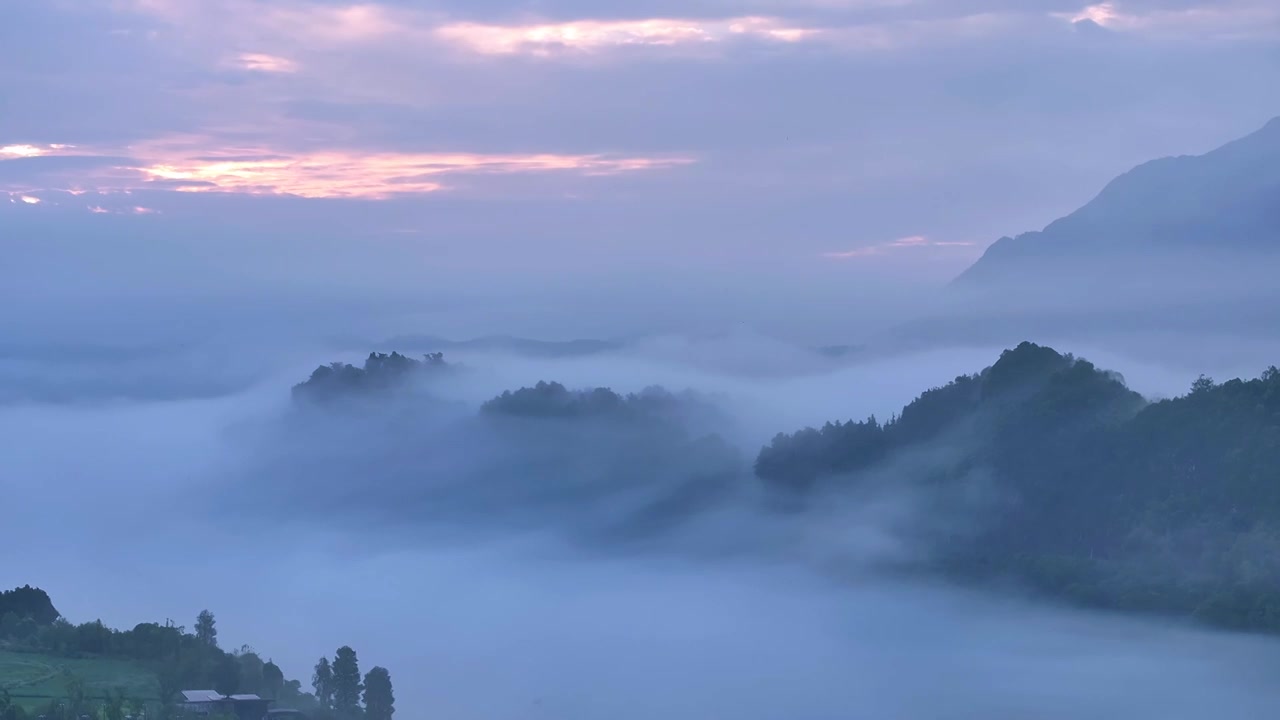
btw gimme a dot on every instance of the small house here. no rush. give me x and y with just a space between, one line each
210 702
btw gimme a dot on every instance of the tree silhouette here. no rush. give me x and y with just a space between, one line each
346 681
379 700
322 682
206 629
272 680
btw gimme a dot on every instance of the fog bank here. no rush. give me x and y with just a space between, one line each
741 615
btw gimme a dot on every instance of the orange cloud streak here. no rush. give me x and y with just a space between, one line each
379 175
186 164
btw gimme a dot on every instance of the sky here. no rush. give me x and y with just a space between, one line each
659 162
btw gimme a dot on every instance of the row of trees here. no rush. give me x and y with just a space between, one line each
340 690
553 400
380 373
181 660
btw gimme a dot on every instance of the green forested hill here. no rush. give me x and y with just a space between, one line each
1095 495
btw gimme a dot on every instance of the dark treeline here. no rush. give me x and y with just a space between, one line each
1096 495
553 400
180 660
1025 380
381 373
592 462
26 605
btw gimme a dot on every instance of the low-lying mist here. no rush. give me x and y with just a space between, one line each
586 565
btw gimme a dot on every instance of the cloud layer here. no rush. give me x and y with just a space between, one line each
186 164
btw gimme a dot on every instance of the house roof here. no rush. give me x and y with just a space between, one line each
199 696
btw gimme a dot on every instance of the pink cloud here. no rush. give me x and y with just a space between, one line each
12 152
261 62
1104 14
1221 20
856 253
196 164
910 241
351 174
590 35
311 22
20 151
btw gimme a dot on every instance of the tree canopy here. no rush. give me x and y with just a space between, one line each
28 602
379 700
346 681
380 374
206 629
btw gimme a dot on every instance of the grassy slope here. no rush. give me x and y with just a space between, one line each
31 678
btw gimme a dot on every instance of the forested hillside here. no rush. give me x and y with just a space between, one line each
1042 469
591 462
1093 494
54 669
380 374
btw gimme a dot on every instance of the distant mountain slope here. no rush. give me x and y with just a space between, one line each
1208 207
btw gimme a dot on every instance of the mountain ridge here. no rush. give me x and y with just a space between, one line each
1227 199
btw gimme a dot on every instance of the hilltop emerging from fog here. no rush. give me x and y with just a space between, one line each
1042 468
1048 470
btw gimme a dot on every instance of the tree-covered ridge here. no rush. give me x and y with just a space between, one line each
553 400
177 659
380 373
1105 499
618 466
1084 490
595 463
1029 386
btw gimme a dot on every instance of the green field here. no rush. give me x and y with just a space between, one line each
31 679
